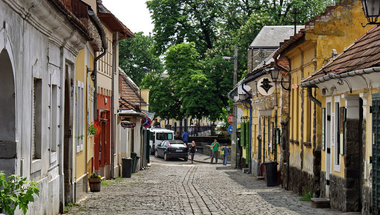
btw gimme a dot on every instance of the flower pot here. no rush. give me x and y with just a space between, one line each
95 184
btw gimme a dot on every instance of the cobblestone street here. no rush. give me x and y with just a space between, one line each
178 187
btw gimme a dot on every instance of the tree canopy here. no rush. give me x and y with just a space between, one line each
136 57
210 28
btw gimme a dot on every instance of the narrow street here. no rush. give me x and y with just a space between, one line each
178 187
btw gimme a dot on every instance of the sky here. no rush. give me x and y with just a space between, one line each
133 13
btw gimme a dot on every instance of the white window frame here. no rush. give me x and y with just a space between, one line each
335 131
79 115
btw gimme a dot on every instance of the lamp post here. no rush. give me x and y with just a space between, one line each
234 125
274 73
371 10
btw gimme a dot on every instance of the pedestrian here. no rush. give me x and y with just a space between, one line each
215 151
193 149
226 150
185 137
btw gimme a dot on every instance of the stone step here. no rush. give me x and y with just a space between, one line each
320 203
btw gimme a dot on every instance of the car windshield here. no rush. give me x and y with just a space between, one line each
164 136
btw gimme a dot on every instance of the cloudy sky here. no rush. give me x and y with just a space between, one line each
133 13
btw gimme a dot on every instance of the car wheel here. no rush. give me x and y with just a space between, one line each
186 158
165 157
156 154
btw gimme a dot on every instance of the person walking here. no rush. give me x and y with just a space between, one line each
226 150
193 149
215 151
185 137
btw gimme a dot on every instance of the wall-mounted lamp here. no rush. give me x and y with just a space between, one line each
93 76
274 73
371 10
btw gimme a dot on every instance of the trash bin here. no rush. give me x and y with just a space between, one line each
136 163
127 167
271 173
133 155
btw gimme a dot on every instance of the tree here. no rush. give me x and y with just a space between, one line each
136 57
214 26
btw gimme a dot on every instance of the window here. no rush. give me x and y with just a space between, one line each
37 119
80 116
336 131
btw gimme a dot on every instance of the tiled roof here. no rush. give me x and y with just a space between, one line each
363 53
129 92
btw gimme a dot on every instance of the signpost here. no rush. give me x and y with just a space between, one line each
146 122
128 125
230 119
230 129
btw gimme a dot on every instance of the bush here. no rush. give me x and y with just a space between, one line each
16 191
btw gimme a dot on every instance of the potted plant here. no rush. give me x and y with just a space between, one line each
94 181
94 129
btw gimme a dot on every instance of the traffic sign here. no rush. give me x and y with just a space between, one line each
230 129
146 122
230 119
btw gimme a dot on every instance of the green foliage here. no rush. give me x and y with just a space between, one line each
136 57
307 196
213 27
16 191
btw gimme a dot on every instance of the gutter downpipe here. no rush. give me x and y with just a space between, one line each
312 98
100 29
115 68
250 127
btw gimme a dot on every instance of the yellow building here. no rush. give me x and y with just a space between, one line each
308 164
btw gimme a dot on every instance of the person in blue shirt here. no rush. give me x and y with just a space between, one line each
226 150
185 137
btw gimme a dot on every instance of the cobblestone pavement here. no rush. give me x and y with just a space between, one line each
178 187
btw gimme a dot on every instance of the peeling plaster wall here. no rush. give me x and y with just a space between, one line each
39 41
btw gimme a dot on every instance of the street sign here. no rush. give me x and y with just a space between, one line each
230 119
146 122
230 129
128 125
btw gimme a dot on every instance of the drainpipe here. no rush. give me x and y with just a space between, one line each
113 125
312 98
250 127
100 29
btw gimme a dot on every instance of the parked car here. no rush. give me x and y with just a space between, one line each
172 149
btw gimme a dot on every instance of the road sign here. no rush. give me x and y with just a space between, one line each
146 122
230 119
230 129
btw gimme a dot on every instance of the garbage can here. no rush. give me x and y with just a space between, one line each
133 155
136 163
127 167
271 173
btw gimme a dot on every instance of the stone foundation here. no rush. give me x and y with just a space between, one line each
366 200
300 181
322 185
343 198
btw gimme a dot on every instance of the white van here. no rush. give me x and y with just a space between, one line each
158 135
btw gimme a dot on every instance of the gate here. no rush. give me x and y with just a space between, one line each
375 109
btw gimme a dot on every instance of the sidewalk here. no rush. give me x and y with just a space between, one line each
202 158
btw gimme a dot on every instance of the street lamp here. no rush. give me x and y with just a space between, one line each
371 10
274 73
233 136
